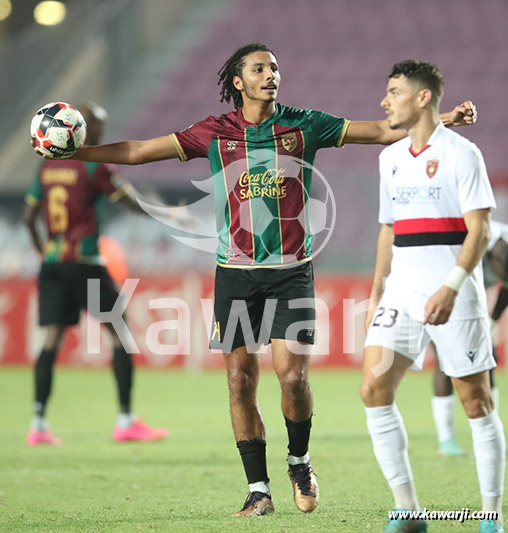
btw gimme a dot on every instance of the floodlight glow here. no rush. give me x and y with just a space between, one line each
49 13
5 9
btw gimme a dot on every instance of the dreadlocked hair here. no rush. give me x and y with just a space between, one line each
233 67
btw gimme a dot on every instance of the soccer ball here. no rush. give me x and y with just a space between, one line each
58 130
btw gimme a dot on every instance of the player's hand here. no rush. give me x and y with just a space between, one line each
439 306
36 150
464 114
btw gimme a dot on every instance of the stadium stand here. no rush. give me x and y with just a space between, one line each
334 55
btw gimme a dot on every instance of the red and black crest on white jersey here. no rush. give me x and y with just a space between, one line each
432 166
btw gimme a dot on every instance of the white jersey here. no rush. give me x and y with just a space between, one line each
425 195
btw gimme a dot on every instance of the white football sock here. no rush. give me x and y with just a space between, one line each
490 453
125 420
39 423
495 396
390 442
259 486
443 408
293 460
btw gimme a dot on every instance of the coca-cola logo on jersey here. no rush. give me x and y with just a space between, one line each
268 183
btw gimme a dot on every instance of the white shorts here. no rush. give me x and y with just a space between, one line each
464 347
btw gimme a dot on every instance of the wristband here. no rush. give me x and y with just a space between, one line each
457 277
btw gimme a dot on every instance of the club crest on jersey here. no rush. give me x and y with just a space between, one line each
432 166
289 141
231 145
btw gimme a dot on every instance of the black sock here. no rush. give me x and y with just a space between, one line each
299 435
253 454
43 379
123 369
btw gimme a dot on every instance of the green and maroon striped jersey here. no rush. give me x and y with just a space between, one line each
72 194
262 177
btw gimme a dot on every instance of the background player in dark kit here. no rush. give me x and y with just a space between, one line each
70 195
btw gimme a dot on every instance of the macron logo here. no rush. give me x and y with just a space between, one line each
470 354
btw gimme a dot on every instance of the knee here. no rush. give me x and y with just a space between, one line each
51 345
478 405
366 392
374 395
294 382
54 337
241 383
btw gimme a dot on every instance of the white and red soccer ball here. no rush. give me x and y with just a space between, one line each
58 130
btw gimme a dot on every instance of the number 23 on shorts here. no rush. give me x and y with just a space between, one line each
385 317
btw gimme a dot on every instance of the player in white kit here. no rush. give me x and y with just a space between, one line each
435 201
495 270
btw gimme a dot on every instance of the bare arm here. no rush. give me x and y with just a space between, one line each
501 303
440 305
498 258
130 152
477 239
381 270
29 217
379 132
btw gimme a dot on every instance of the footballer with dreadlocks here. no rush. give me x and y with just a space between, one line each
263 266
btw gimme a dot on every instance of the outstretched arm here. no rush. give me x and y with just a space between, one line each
379 132
129 152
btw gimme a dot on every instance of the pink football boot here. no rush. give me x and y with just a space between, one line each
139 431
36 437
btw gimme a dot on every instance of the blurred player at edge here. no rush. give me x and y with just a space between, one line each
70 195
250 272
495 267
428 285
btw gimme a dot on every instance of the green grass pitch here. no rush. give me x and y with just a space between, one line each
194 480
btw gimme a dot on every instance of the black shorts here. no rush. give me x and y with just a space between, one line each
262 301
63 291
